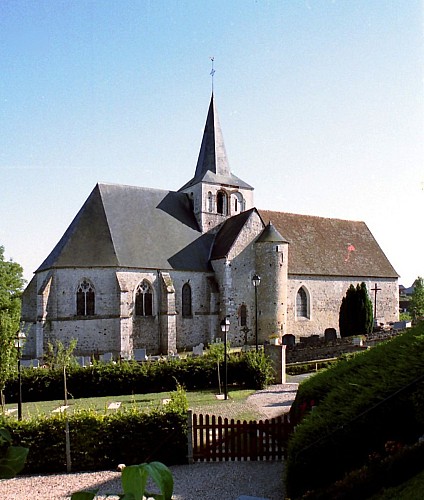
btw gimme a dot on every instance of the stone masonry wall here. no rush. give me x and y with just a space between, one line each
325 299
234 276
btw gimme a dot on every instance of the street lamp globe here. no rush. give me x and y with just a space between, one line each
256 280
19 340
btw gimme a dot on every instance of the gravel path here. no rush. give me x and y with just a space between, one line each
205 481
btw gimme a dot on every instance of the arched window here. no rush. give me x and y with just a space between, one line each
238 203
243 315
186 300
144 299
302 309
221 203
210 202
85 299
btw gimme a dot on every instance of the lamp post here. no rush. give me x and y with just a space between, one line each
225 326
256 280
19 343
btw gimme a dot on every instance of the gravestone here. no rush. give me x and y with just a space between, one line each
330 334
114 406
289 340
61 409
140 355
107 357
81 361
198 350
30 363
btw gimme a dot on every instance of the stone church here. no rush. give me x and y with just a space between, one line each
155 269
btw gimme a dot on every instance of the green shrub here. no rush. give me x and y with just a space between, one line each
100 442
249 370
359 404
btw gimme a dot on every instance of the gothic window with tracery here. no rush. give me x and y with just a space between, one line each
186 293
85 299
302 303
144 299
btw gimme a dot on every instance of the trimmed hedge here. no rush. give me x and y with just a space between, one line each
358 405
101 442
251 370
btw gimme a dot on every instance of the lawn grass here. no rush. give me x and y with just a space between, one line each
410 490
198 400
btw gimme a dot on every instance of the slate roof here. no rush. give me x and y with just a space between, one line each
270 235
228 233
212 165
330 247
126 226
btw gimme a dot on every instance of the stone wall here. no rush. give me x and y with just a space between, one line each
234 275
325 296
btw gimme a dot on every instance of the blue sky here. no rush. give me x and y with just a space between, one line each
321 105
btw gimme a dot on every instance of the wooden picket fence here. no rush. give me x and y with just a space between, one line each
220 439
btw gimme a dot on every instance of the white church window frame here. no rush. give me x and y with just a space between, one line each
303 304
143 302
85 298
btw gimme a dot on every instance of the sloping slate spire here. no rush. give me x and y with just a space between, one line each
212 154
212 164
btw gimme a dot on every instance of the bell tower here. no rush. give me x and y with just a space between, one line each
216 193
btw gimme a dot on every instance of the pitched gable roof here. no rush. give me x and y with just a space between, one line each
126 226
228 234
330 247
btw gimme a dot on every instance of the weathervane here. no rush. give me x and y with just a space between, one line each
212 70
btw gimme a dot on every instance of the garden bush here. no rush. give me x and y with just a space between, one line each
250 370
102 441
359 404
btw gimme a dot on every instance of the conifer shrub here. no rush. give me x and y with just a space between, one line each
356 312
349 411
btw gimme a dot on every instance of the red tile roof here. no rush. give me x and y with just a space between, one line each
330 247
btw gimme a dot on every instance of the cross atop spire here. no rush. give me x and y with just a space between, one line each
212 73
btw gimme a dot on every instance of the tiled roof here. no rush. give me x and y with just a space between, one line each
330 247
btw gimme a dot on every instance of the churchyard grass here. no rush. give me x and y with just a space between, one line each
199 401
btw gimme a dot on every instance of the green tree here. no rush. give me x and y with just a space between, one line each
11 284
356 312
216 353
58 356
416 304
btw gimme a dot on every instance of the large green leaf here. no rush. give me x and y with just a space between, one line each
162 476
13 461
134 478
5 436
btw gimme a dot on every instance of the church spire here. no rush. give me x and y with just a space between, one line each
212 156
